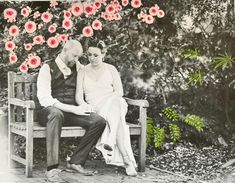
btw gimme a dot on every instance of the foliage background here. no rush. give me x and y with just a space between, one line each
170 62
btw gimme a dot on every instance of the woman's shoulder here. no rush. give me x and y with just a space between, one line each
110 66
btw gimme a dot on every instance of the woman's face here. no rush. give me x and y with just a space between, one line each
95 56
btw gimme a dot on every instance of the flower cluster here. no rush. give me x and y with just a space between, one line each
51 28
154 11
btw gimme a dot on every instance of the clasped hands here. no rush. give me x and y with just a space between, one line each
84 109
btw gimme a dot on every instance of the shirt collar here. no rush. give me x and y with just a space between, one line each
63 67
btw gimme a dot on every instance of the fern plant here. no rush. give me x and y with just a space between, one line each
159 137
195 121
189 53
150 130
195 78
171 114
223 61
175 132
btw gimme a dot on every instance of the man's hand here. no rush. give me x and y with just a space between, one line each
81 110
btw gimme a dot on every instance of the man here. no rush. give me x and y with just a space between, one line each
56 87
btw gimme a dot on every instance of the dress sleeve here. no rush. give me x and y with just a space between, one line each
80 86
117 83
44 87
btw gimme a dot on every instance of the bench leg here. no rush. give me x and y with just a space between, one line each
29 156
142 154
11 163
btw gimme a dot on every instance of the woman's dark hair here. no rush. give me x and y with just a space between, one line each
98 44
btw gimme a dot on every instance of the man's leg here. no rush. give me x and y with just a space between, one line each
52 118
94 125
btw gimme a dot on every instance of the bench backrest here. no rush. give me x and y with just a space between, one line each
22 86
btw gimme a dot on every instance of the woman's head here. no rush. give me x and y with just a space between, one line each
96 52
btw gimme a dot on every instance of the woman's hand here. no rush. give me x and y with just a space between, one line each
80 110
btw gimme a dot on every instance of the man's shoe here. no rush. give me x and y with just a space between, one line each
52 176
79 169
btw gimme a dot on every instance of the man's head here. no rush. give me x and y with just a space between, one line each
72 50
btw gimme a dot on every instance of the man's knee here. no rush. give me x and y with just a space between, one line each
100 121
54 115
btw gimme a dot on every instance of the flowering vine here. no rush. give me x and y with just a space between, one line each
49 29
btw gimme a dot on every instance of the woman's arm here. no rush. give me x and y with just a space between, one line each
117 83
79 97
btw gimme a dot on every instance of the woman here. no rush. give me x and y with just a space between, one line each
101 84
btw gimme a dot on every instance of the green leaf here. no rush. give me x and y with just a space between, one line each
223 62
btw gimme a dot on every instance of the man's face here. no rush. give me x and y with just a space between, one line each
72 56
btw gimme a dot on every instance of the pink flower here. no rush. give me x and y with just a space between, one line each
34 61
97 4
14 31
160 14
38 40
25 12
153 11
105 15
115 3
13 58
24 68
10 14
119 8
64 37
77 9
125 2
110 9
30 27
67 14
53 42
10 45
36 15
67 24
87 31
117 16
53 3
148 19
27 46
46 17
52 28
88 9
136 3
97 25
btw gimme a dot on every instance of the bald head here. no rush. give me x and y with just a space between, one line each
73 44
71 52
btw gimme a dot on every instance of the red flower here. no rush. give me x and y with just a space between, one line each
153 11
38 39
88 31
97 4
97 25
46 17
14 31
24 68
63 37
160 14
34 61
67 24
53 42
136 3
125 2
28 46
148 19
77 9
88 9
10 14
67 14
110 9
30 27
10 45
52 28
13 58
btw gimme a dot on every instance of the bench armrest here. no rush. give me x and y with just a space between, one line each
140 103
22 103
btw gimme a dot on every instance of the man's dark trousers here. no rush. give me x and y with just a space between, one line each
54 119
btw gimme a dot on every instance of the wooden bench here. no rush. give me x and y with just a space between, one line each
23 105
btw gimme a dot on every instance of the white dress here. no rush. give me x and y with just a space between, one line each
100 95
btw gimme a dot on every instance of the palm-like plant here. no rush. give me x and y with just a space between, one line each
223 61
